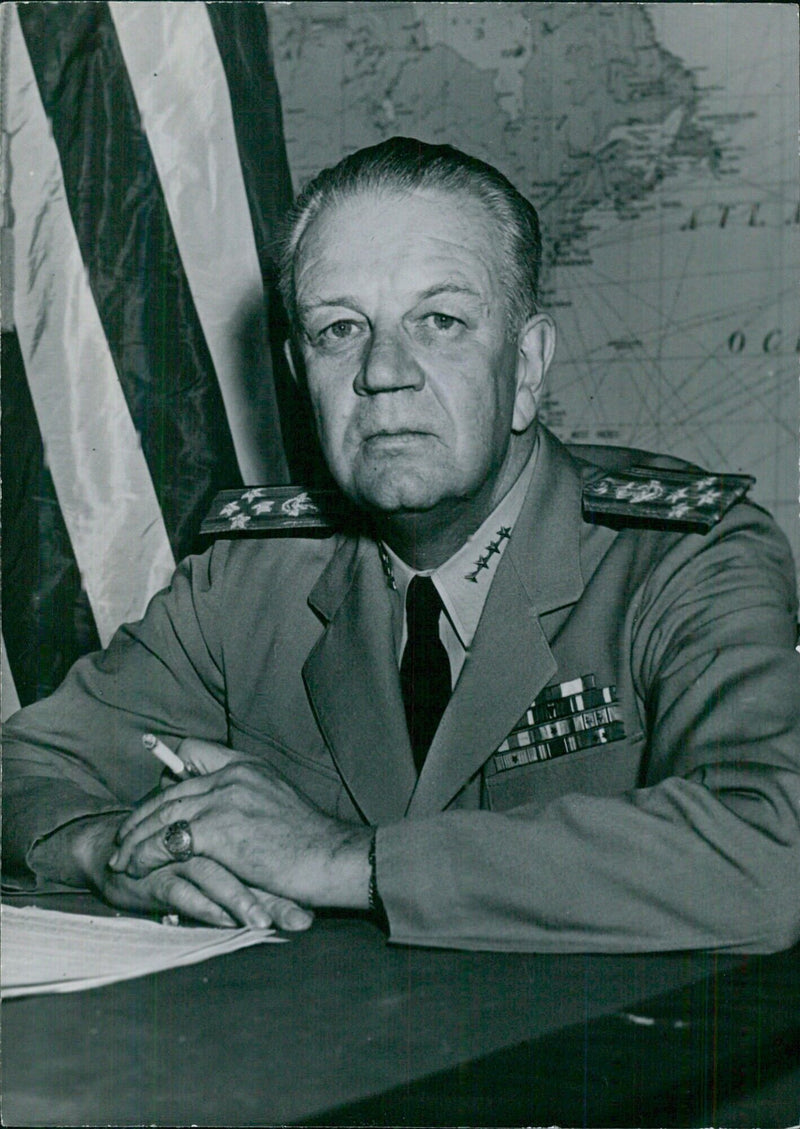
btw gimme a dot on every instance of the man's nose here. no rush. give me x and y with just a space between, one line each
388 365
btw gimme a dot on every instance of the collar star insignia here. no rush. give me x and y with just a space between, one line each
493 547
251 495
386 564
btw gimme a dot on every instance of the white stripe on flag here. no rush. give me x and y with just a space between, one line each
8 691
91 446
182 95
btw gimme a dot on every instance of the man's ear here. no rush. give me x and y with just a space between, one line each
535 347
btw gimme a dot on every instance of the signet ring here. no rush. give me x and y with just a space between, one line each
178 840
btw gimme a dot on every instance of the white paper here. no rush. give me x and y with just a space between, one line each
49 951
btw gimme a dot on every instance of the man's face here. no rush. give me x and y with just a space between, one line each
411 370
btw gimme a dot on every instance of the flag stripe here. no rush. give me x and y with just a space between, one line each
242 35
48 621
92 448
128 246
171 57
121 149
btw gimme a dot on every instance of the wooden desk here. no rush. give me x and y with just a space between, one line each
338 1026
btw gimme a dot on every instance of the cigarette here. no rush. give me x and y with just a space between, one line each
165 755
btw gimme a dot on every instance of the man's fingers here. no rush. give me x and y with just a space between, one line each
150 861
205 756
195 786
245 904
285 913
180 894
145 849
171 890
238 900
205 891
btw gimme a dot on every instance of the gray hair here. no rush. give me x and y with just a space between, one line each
404 164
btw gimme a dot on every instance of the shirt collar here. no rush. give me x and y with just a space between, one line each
464 580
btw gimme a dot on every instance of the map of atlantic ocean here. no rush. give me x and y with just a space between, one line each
658 142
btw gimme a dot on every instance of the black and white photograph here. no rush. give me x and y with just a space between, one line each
401 530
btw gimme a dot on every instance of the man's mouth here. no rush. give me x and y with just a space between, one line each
398 434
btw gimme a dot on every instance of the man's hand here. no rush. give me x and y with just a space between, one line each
200 888
259 828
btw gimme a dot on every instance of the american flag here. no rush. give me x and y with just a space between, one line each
144 176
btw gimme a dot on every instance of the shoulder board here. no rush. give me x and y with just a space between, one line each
256 509
688 500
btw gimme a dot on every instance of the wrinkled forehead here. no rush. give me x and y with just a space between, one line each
388 227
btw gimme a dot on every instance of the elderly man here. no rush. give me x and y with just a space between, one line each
491 707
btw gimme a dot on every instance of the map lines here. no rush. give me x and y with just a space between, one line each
659 143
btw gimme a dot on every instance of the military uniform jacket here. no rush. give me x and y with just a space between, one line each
618 768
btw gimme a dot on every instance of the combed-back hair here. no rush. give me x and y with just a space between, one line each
403 164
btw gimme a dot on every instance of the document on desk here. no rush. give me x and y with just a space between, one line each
45 951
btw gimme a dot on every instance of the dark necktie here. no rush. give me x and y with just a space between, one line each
425 669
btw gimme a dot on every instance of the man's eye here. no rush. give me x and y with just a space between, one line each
338 330
443 321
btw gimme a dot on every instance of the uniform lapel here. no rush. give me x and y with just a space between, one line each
352 681
510 660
